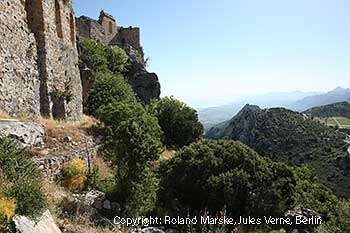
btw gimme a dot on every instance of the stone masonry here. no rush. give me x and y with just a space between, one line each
39 72
106 31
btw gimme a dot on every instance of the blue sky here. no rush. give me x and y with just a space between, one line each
204 50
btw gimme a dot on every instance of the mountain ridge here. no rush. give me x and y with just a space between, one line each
293 138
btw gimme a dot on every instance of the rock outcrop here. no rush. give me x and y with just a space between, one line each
145 84
45 224
27 134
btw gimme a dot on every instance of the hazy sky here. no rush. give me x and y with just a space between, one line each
206 49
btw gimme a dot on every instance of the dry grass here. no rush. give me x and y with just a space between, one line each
82 224
57 132
59 129
56 197
105 168
167 154
24 118
54 194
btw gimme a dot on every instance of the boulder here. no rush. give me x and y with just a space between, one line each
45 224
306 214
27 134
152 230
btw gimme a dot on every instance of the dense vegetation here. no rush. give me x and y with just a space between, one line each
217 174
341 109
228 176
133 140
292 138
214 176
108 88
110 65
19 183
178 121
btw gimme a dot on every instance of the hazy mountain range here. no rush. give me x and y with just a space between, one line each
296 101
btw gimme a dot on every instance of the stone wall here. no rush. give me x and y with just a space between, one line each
19 77
128 36
62 72
52 166
105 30
109 25
88 28
39 59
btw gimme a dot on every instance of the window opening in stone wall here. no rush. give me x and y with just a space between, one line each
72 29
110 27
58 19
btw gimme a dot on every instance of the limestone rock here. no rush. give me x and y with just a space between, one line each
306 214
152 230
26 133
145 84
45 224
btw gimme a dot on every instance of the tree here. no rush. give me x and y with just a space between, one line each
133 141
178 121
106 58
108 88
217 174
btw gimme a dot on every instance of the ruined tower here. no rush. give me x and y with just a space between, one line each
39 72
106 30
109 25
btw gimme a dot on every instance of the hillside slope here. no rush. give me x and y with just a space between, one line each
337 95
341 109
293 138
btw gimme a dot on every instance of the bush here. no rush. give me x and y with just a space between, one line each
217 174
7 211
133 135
74 175
106 58
339 222
179 122
133 140
23 179
117 59
108 89
311 194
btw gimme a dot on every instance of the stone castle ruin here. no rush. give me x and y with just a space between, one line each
39 72
106 31
39 60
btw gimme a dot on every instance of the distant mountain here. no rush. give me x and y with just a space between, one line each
337 95
214 115
293 138
341 109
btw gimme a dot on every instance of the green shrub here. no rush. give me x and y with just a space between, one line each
217 174
23 179
108 89
339 222
133 140
117 59
106 58
179 122
311 194
97 53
